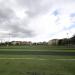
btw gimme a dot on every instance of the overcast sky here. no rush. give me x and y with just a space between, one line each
36 20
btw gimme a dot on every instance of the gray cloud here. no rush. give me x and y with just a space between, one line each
5 14
35 7
72 15
56 13
18 26
11 23
18 31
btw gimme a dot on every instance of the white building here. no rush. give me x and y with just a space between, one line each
53 42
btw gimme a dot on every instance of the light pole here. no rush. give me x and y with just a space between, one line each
9 37
68 39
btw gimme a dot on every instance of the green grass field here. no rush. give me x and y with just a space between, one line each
37 48
36 64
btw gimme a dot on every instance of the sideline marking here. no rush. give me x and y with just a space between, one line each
24 58
16 58
67 59
36 59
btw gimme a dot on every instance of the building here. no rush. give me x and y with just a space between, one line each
21 42
53 42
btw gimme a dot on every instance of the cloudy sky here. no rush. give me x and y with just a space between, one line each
36 20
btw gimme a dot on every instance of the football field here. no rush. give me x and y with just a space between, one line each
37 61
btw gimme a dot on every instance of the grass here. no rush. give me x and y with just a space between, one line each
37 48
35 66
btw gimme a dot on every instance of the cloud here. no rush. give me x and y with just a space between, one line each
37 20
35 7
49 16
5 14
72 15
11 23
56 13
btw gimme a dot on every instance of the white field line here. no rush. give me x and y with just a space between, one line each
16 58
35 59
66 59
24 58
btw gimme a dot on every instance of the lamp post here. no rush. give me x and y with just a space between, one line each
68 40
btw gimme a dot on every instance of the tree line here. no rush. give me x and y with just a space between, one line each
67 41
